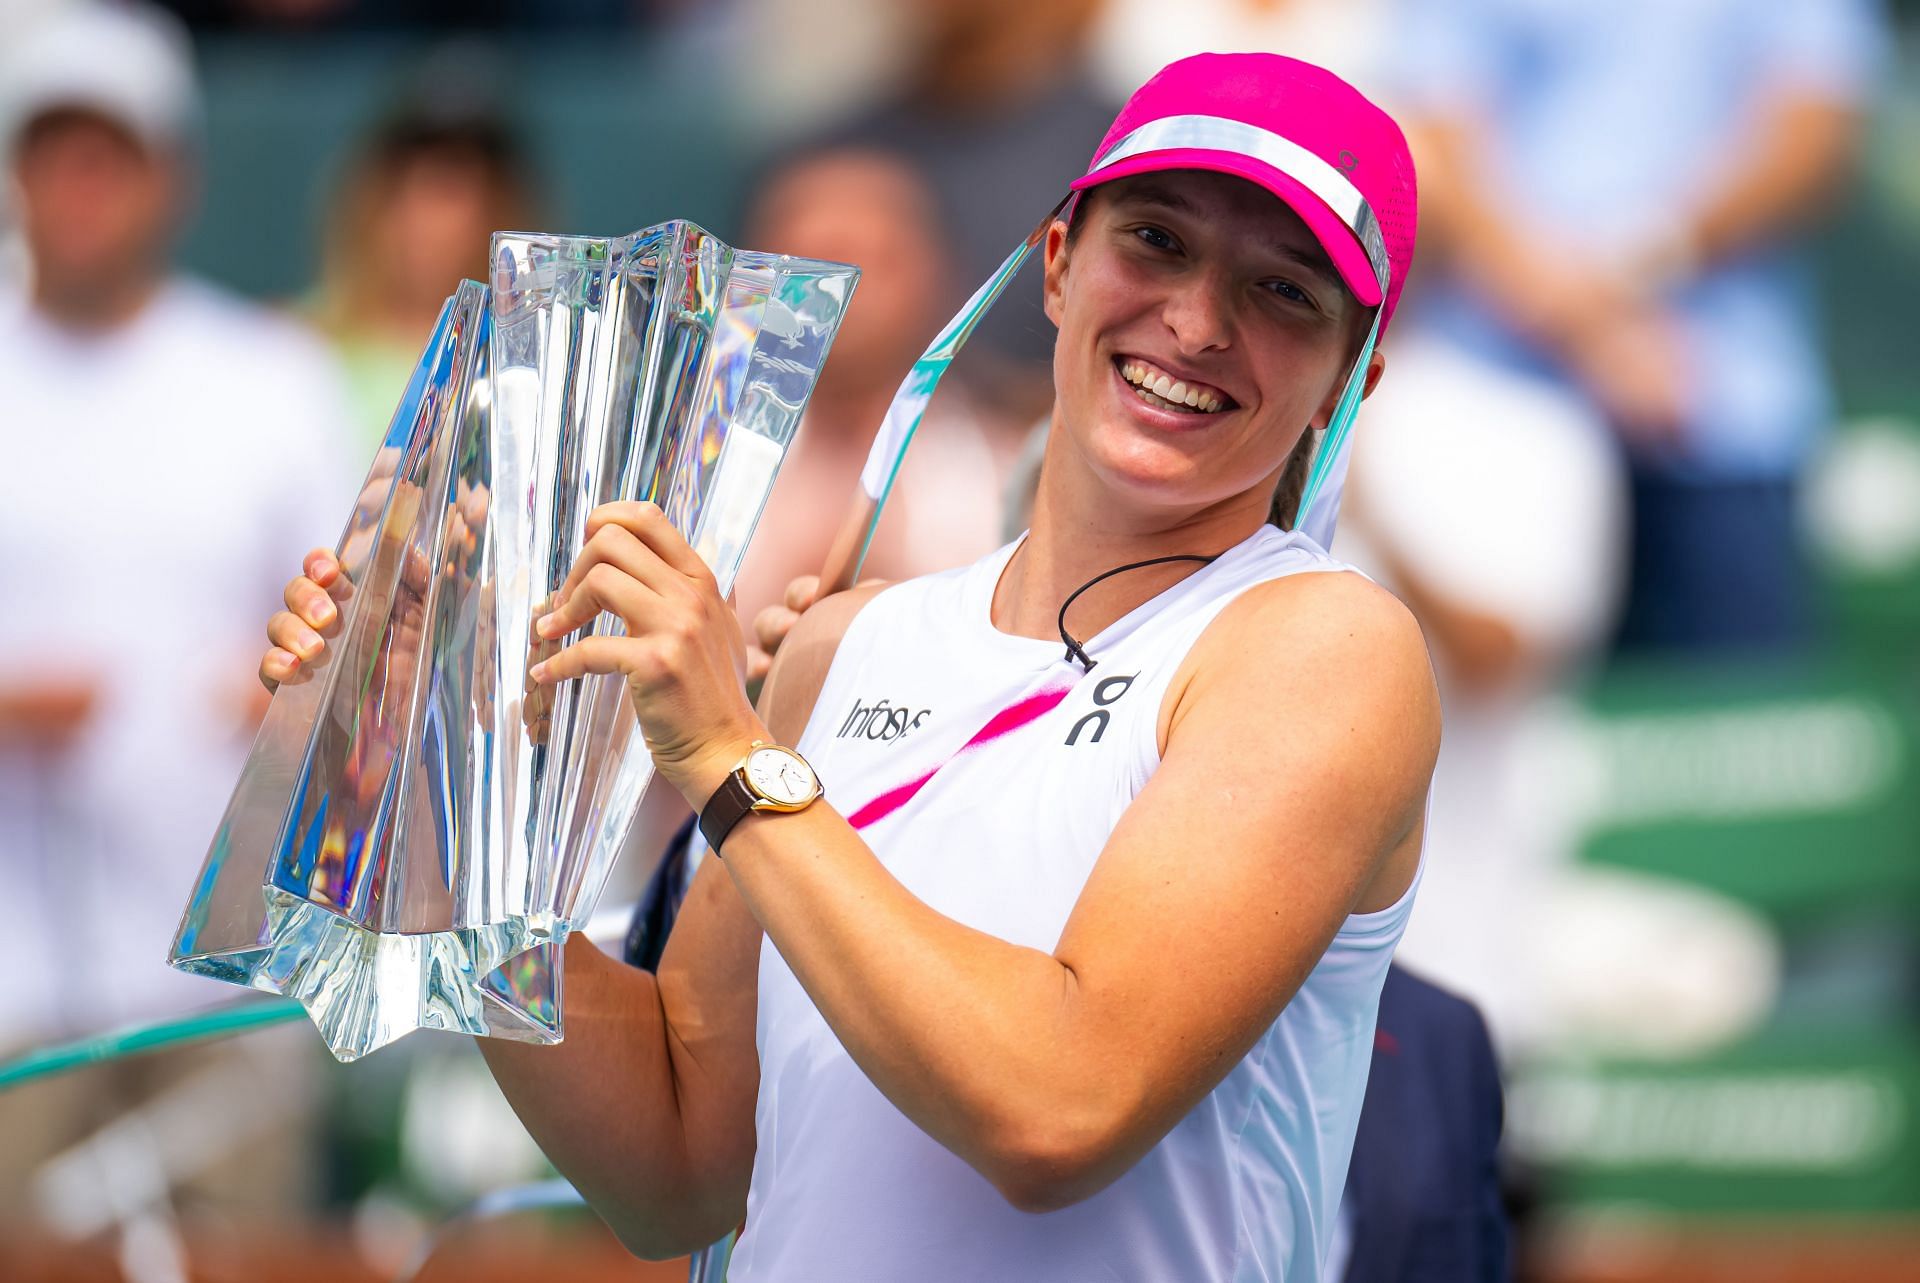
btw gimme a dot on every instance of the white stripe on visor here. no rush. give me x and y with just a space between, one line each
1217 133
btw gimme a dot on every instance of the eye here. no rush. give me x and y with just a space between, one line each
1289 291
1156 237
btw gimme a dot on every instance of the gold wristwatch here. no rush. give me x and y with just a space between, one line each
768 778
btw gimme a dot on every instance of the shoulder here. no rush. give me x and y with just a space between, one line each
1303 629
1328 659
800 668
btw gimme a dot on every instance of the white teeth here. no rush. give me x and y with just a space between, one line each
1170 389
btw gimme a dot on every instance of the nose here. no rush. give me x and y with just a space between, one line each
1199 312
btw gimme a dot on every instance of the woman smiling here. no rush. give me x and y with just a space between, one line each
1077 977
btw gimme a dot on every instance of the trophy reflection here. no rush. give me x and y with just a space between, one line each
415 833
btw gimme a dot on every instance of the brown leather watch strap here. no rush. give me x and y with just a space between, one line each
730 804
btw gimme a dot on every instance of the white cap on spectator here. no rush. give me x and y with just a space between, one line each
129 63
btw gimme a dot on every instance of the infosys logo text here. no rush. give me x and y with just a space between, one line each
881 721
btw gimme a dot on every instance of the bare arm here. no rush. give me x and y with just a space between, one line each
647 1106
1053 1073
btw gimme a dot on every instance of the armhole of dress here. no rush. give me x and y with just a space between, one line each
1387 922
841 672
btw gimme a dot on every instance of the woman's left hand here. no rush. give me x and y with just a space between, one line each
683 655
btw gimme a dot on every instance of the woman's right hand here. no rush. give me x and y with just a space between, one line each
298 634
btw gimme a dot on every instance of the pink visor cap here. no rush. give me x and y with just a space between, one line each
1299 131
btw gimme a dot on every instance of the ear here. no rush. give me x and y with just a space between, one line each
1376 366
1053 284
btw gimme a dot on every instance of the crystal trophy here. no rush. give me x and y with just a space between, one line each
413 837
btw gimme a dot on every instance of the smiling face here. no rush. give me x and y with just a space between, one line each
1202 330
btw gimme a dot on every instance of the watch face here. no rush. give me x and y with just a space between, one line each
781 777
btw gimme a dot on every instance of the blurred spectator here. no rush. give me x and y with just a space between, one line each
1493 506
169 452
1492 503
1349 37
871 208
1617 188
438 15
1422 1202
412 217
800 65
996 105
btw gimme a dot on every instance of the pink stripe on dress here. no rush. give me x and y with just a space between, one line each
1008 719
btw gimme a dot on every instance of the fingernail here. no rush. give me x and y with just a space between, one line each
322 611
538 672
540 624
309 641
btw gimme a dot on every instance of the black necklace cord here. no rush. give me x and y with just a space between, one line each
1075 651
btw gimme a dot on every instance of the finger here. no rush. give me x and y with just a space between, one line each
759 664
321 566
612 551
310 604
588 655
651 527
292 634
771 626
802 592
605 587
281 668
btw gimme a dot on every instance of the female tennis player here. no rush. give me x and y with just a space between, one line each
1074 976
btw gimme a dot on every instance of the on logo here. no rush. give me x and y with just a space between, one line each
1106 691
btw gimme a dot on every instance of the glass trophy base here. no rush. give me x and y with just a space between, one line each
363 989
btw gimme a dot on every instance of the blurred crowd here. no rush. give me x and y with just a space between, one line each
1590 448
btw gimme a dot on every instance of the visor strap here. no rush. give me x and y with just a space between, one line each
909 404
1327 480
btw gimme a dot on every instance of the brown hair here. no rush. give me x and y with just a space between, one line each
349 275
1285 509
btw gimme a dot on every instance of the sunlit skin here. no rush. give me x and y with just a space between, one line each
1212 279
1308 701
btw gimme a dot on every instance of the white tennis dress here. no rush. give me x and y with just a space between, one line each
987 771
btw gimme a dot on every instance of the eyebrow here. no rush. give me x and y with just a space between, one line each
1314 261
